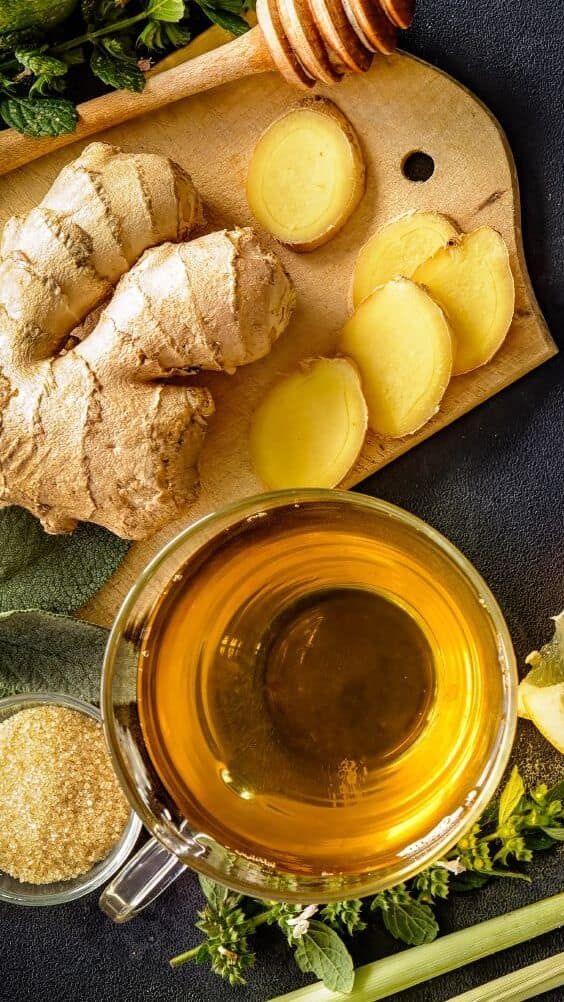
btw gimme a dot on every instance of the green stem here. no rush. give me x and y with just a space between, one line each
250 926
525 983
88 36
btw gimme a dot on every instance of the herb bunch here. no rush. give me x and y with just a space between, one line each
499 845
116 39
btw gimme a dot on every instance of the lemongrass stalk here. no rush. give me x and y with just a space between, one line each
526 983
421 963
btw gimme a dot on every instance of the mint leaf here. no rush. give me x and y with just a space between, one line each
44 116
511 795
159 35
56 573
41 64
556 833
548 663
118 49
405 918
116 73
41 652
216 894
226 19
165 10
321 951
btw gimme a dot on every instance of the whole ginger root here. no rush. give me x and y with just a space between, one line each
91 428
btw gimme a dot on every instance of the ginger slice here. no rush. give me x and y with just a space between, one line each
310 427
402 344
398 248
306 175
471 280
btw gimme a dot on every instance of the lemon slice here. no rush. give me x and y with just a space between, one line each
545 706
521 708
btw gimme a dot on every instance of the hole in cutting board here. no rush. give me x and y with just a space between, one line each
418 166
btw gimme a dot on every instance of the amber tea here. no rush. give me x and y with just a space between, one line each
320 688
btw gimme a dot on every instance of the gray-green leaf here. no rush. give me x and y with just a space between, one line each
322 952
116 73
411 922
41 652
511 795
56 573
43 116
548 663
165 10
556 833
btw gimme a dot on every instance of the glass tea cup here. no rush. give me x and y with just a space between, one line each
426 794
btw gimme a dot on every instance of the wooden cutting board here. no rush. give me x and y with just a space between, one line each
402 105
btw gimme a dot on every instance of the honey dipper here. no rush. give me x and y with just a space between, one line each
307 41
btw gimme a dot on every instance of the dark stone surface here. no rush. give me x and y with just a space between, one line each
492 482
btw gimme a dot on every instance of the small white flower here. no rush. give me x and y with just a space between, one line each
300 923
452 865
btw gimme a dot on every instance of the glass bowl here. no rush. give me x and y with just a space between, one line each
19 893
180 834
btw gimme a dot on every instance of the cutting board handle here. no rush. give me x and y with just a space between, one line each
243 57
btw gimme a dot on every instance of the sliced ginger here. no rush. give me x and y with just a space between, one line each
306 175
398 249
309 429
471 280
402 344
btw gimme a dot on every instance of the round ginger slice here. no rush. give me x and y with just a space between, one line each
402 344
306 175
310 427
398 248
471 280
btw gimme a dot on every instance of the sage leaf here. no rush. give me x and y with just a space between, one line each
116 73
411 922
548 663
165 10
42 116
321 951
55 573
42 652
510 796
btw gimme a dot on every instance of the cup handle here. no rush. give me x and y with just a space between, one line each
143 878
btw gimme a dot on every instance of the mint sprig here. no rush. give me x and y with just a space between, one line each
116 42
507 836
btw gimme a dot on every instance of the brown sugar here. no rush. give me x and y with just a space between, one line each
61 807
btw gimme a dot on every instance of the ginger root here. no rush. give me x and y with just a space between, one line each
397 250
309 428
471 280
91 425
306 175
402 344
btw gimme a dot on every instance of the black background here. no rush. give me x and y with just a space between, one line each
492 482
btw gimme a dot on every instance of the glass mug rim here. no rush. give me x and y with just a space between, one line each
359 885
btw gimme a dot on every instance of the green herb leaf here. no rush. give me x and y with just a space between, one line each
165 10
160 35
556 833
511 796
12 40
216 894
41 64
115 73
119 49
412 922
41 652
344 916
56 573
548 663
321 951
226 19
45 116
556 792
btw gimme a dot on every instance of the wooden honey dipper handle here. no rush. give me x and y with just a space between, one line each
242 57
